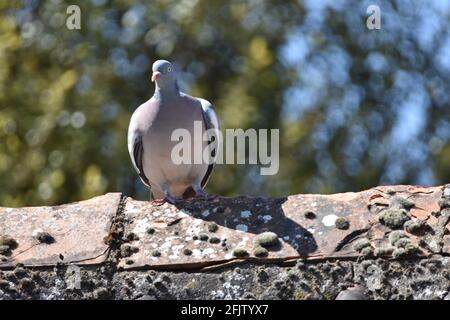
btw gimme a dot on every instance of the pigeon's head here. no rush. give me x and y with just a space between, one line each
164 74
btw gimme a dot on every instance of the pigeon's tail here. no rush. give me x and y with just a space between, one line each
189 193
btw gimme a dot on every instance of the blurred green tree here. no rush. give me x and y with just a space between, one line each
356 107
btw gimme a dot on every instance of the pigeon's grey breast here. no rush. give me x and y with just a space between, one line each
150 144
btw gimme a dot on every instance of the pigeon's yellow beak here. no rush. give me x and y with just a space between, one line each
155 75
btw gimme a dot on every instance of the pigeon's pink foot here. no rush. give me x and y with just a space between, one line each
159 202
167 199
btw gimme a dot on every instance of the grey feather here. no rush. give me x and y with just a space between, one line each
211 122
136 153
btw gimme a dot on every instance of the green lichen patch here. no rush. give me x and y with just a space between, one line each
261 275
101 294
131 236
395 236
342 223
5 250
361 244
402 243
399 253
203 237
292 274
393 218
156 253
408 250
309 214
383 251
398 202
414 227
25 284
44 237
444 203
7 244
214 239
266 239
212 227
390 191
259 251
4 284
127 250
240 252
367 251
20 272
299 295
411 248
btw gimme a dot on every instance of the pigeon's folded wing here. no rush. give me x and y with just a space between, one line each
136 150
212 125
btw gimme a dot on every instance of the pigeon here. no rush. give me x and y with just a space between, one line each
150 144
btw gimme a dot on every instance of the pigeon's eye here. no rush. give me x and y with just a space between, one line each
169 69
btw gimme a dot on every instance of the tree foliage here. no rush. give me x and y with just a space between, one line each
355 107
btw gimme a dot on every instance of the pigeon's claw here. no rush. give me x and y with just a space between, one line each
201 194
170 199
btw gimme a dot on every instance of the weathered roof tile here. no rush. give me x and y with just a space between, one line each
179 229
77 230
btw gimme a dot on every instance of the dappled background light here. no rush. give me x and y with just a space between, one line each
356 108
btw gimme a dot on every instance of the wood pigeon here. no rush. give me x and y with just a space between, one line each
150 144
